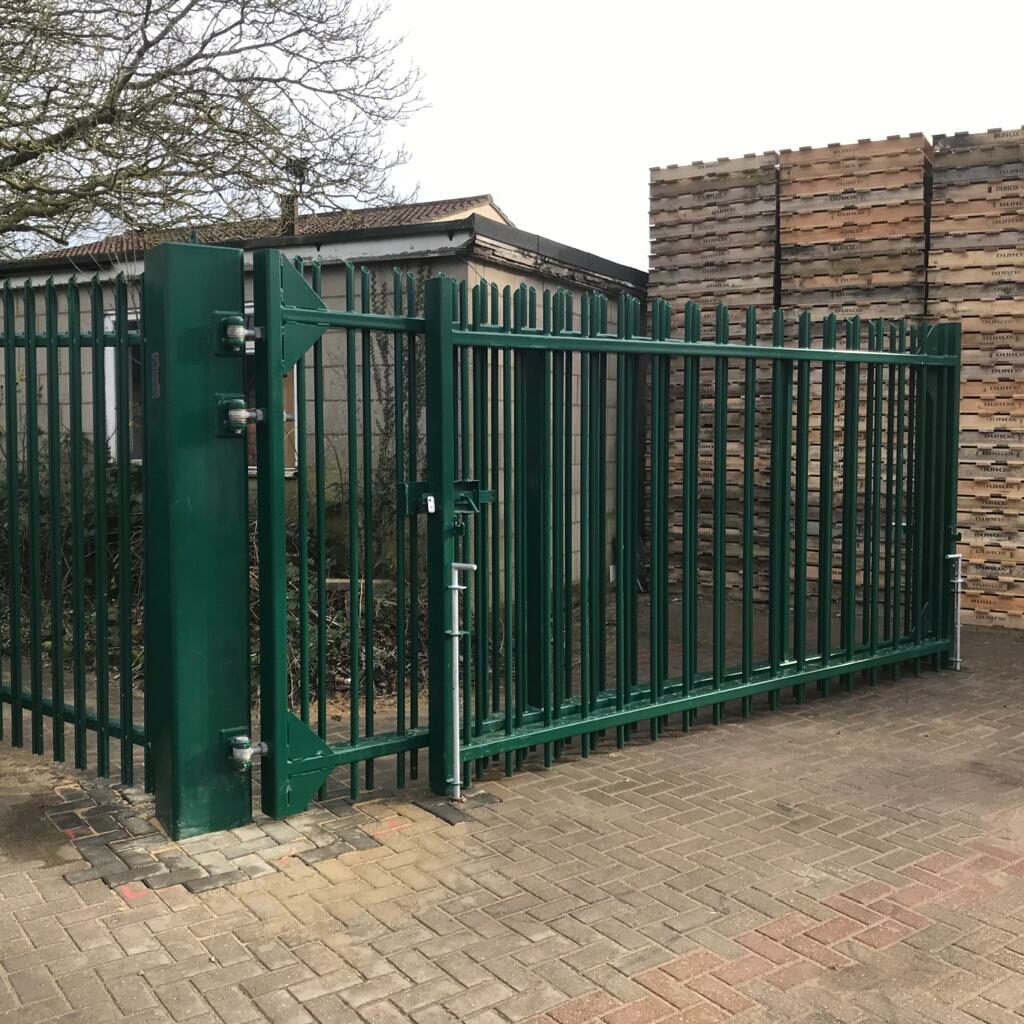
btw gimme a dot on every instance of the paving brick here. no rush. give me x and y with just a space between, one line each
645 1011
584 1009
838 885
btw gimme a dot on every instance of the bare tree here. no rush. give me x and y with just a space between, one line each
149 114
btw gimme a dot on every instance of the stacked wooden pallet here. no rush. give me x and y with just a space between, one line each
713 241
852 227
976 276
713 232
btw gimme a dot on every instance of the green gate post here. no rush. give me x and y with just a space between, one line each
196 540
949 418
440 404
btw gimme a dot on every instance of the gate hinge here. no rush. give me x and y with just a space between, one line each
469 497
234 334
233 416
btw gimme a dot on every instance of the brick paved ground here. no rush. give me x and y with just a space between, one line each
852 860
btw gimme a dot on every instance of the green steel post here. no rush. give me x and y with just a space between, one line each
950 416
441 529
196 541
267 292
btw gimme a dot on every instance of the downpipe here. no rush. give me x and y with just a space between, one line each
957 582
456 633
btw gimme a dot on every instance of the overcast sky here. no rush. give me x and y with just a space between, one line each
558 108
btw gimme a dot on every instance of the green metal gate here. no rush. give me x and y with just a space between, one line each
557 448
534 451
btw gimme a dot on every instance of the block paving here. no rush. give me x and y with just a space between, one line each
851 860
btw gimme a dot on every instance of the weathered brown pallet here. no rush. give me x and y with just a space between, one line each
715 260
996 616
794 266
992 361
850 200
947 282
1010 420
993 210
986 172
861 179
845 249
996 291
1011 152
686 269
894 215
823 174
946 143
1008 256
990 326
996 371
669 282
982 309
715 255
973 191
1009 339
878 279
991 389
975 242
664 225
865 150
726 192
910 230
672 211
708 168
676 240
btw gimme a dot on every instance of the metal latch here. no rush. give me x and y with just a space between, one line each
414 499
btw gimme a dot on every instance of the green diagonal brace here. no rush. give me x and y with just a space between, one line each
297 339
304 746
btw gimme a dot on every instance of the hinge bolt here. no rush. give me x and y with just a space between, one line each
236 334
239 418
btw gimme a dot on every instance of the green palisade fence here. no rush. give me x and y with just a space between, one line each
651 533
72 558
